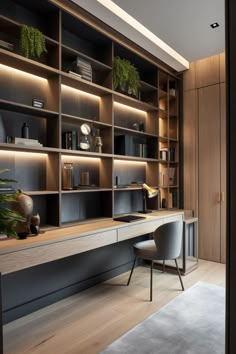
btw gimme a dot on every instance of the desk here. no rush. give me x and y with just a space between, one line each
16 255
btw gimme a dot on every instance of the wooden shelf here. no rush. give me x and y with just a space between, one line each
133 132
134 103
70 102
30 66
67 118
26 148
89 190
84 85
22 108
134 158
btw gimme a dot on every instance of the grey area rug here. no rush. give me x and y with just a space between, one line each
192 323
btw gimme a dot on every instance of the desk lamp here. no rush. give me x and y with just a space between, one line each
150 193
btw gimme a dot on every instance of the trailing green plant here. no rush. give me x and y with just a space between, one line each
125 76
8 217
32 42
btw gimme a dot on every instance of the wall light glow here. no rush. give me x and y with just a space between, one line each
79 92
69 158
21 74
126 108
24 154
125 162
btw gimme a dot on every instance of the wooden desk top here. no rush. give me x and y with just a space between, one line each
60 234
18 254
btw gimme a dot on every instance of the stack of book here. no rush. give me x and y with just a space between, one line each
82 67
26 142
69 140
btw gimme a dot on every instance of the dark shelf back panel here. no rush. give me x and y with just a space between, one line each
80 36
48 209
31 13
128 201
78 104
81 206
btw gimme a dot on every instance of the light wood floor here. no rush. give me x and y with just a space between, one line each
87 322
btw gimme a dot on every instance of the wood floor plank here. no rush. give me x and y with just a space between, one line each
87 322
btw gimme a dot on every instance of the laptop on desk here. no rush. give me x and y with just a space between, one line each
129 218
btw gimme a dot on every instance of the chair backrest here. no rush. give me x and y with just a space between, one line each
168 238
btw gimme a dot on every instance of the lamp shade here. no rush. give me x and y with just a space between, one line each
151 192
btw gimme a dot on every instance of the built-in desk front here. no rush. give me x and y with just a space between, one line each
68 257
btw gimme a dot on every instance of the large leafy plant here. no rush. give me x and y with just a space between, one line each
125 76
8 217
32 42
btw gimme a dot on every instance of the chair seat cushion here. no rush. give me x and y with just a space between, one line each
146 250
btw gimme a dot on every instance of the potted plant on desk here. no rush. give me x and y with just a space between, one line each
8 217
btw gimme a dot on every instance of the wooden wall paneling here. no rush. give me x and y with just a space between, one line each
208 71
190 136
209 173
189 80
223 171
222 67
105 109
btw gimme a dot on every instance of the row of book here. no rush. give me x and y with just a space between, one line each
167 154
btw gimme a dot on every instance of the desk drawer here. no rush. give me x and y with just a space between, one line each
125 233
50 252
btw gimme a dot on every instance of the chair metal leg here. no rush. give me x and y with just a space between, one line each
177 267
151 271
132 269
164 266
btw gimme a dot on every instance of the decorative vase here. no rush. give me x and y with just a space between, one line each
2 131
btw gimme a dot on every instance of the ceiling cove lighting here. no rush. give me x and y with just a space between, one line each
110 5
215 25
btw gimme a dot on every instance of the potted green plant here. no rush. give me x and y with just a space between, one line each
125 77
32 42
8 217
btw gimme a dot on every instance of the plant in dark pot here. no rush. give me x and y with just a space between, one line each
9 218
125 77
32 42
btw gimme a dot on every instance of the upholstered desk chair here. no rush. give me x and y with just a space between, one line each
166 245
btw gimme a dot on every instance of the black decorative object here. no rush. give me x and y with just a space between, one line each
37 103
25 131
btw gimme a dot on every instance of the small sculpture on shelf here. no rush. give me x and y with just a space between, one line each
98 142
34 225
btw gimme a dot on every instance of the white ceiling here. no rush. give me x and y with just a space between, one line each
184 25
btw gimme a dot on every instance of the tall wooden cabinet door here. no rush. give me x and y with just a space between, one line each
190 150
223 171
209 173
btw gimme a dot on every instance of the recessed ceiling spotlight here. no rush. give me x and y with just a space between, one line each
214 25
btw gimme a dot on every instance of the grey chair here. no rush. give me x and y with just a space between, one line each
166 245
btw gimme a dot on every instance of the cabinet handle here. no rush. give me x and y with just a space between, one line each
218 197
222 197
